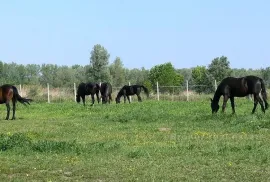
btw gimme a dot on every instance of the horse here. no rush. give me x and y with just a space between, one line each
106 92
231 87
127 90
9 93
87 89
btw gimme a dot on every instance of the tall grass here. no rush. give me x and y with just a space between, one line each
148 141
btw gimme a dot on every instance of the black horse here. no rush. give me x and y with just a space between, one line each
87 89
231 87
127 90
106 92
9 93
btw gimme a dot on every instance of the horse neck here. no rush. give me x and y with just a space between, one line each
217 96
120 93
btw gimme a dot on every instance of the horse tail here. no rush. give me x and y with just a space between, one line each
20 98
145 90
264 94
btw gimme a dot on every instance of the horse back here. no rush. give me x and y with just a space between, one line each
91 88
240 87
6 93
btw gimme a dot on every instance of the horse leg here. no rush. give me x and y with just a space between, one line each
128 97
14 109
98 99
225 99
261 103
232 104
83 100
139 98
8 110
255 103
93 99
125 98
110 98
106 99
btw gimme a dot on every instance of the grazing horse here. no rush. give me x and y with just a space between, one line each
87 89
9 93
106 92
231 87
127 90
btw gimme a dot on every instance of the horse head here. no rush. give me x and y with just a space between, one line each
78 98
214 106
117 100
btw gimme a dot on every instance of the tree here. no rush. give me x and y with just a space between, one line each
65 76
137 76
99 62
80 73
11 74
165 75
220 68
32 73
266 75
22 75
186 72
117 72
48 74
201 80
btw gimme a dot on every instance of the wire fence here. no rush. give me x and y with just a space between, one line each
159 92
169 93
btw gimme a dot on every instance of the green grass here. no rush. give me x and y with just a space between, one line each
148 141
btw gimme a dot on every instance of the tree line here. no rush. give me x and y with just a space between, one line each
100 70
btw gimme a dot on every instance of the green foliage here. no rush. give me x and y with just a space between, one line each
32 74
148 85
201 80
220 68
165 75
186 72
266 76
65 76
136 76
117 72
99 62
48 74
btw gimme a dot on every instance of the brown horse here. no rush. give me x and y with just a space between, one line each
9 93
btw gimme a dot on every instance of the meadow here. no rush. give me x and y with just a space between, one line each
148 141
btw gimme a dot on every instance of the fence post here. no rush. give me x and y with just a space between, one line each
215 85
48 87
157 92
129 96
75 92
187 91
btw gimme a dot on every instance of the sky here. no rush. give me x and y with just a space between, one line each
142 33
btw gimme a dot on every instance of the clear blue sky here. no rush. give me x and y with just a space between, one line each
142 33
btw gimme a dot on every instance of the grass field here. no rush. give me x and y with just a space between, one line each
148 141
